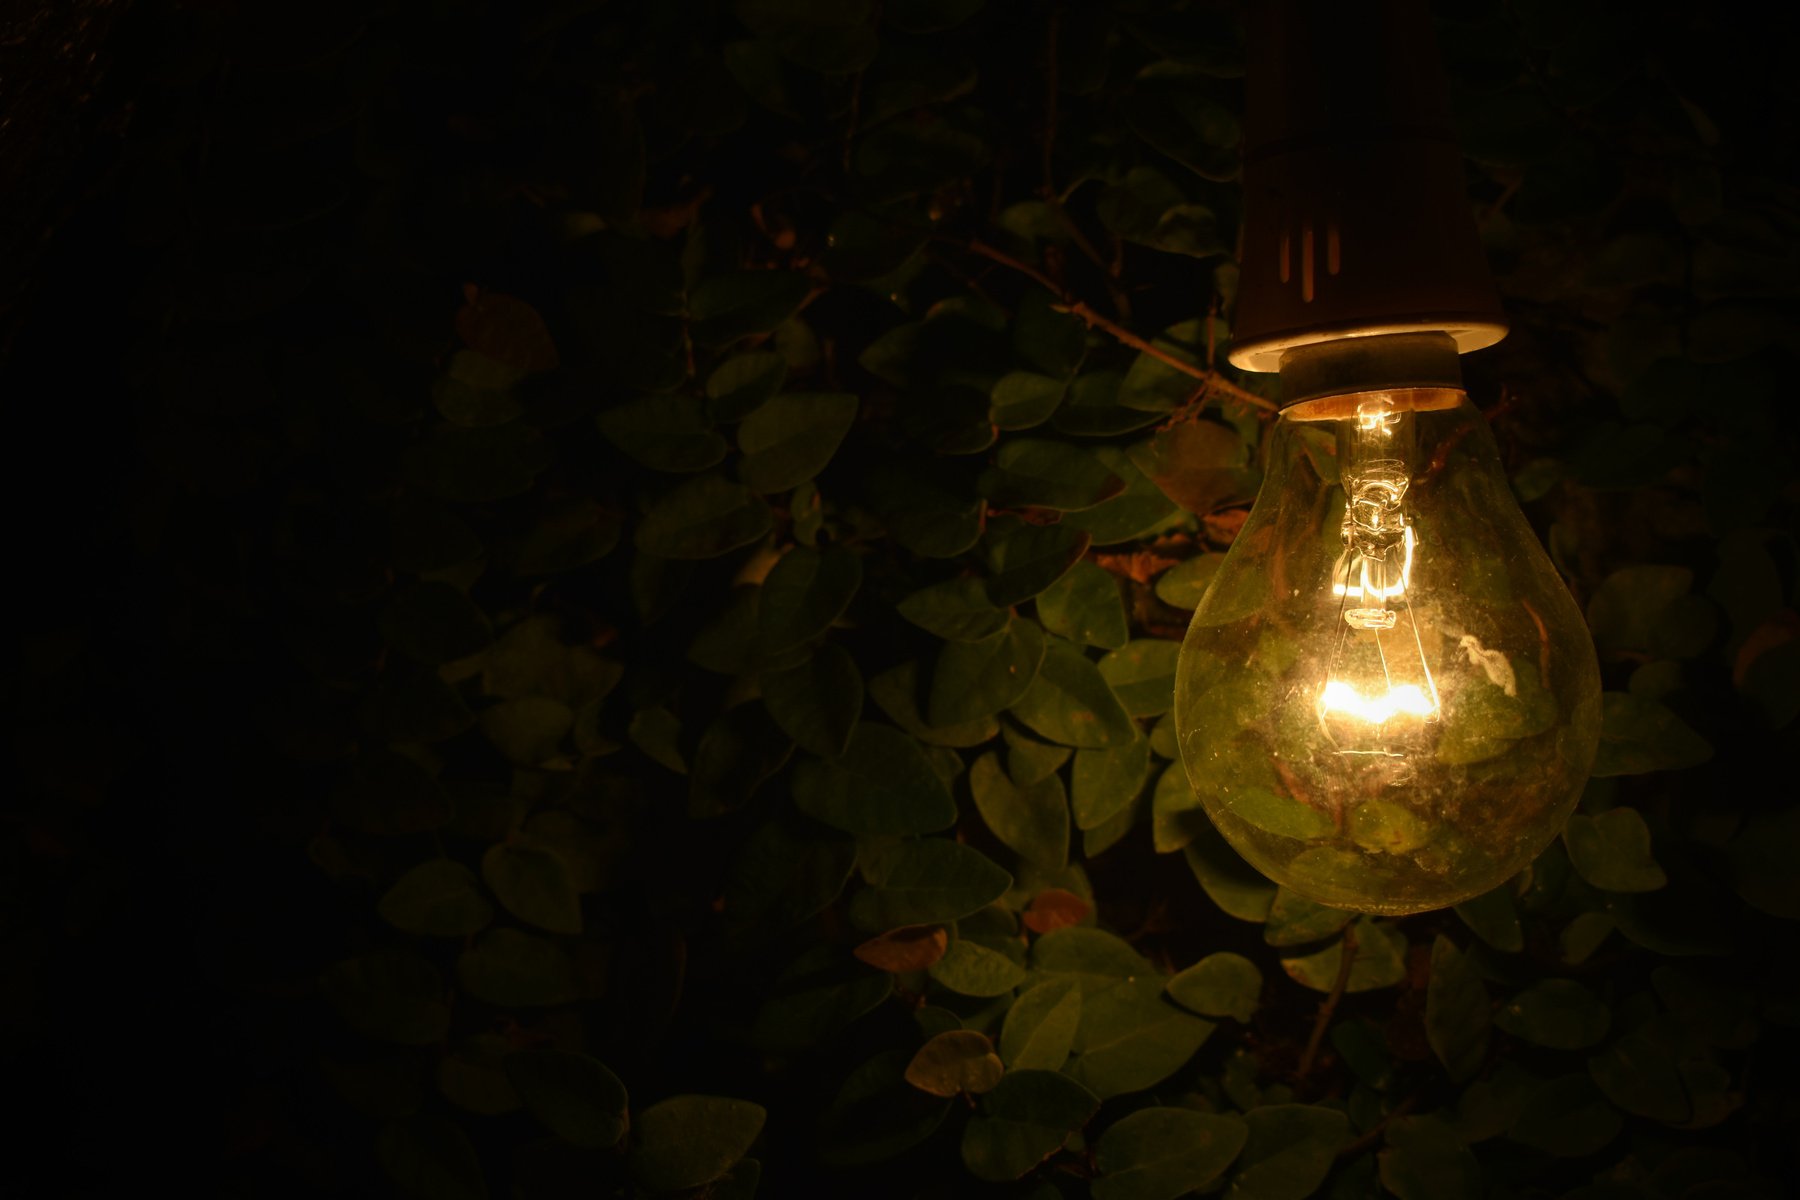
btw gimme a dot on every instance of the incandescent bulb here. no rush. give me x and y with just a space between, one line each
1387 700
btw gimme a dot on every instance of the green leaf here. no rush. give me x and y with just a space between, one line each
1380 960
1035 472
883 784
1034 821
1761 859
925 508
657 732
786 871
1647 608
1183 585
1040 1026
929 882
1219 985
431 1158
742 384
1176 814
1639 735
1160 1153
739 750
473 1079
1028 1117
976 679
954 1062
1612 851
1142 675
1152 384
980 967
956 610
576 1097
815 1000
434 623
897 692
1288 1152
1426 1160
1070 703
686 1141
568 534
664 433
1457 1016
877 1114
439 898
390 995
1646 1072
1085 608
1567 1117
1024 559
1029 761
1094 958
804 593
1023 399
790 438
1294 919
702 518
1131 1039
531 659
1281 815
1239 889
1200 465
1494 919
1092 408
534 885
817 703
1138 511
513 969
1106 781
528 730
1558 1013
727 307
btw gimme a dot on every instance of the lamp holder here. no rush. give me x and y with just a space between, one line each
1356 213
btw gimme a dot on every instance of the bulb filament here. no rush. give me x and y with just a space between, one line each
1373 682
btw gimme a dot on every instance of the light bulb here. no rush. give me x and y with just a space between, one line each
1387 700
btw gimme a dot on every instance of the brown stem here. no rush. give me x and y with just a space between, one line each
1216 384
1323 1020
1367 1140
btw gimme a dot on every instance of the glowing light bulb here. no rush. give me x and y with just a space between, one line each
1387 699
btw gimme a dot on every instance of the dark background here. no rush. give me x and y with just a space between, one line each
237 239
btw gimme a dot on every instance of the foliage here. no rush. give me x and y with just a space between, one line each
681 516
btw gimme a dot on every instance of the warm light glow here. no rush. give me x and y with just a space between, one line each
1368 588
1341 699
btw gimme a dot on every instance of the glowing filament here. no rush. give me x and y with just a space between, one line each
1406 699
1368 588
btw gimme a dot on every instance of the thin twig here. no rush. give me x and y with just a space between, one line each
1323 1020
1367 1140
1216 384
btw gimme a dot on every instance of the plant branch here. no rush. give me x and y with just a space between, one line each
1216 384
1323 1020
1374 1135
